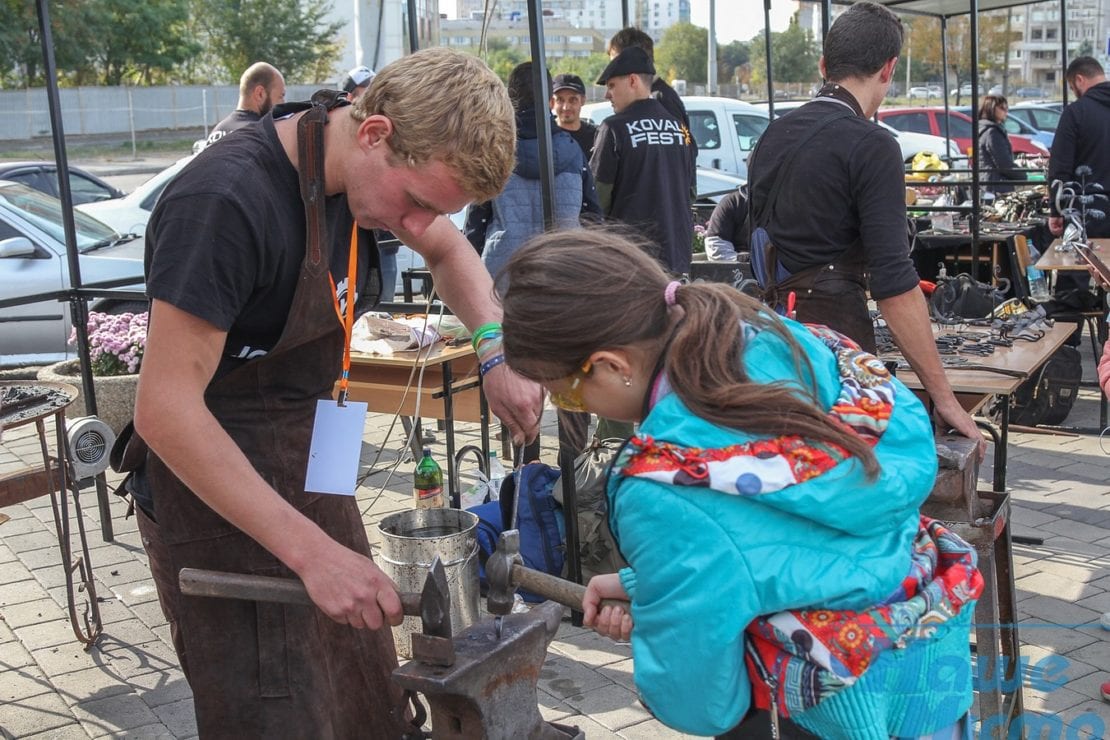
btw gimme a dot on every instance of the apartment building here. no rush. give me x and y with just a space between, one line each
1036 60
560 37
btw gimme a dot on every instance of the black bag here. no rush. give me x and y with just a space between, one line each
597 550
1047 396
964 297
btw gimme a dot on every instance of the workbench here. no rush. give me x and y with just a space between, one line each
974 387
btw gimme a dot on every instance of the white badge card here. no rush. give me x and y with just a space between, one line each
336 447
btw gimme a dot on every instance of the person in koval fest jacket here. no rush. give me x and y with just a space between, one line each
995 151
641 162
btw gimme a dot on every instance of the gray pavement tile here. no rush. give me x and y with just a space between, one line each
1087 721
6 555
1100 601
135 592
98 682
162 687
611 706
130 631
593 649
1077 529
619 673
1050 584
146 732
36 714
178 716
20 592
1057 639
1056 611
1087 681
1096 653
23 525
1074 569
553 709
22 683
36 540
31 612
1063 548
150 613
1029 517
67 658
652 729
103 555
45 634
72 731
563 677
114 714
123 573
47 557
1051 702
135 660
593 730
13 655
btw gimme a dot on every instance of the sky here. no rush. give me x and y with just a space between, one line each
739 20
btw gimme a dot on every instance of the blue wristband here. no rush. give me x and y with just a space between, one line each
490 364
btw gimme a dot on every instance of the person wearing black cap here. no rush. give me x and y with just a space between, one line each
568 93
356 81
641 161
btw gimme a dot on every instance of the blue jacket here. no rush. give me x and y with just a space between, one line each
703 564
498 228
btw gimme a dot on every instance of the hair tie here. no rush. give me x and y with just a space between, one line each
669 292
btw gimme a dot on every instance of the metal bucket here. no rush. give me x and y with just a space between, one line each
410 542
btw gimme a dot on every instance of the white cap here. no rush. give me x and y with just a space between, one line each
357 77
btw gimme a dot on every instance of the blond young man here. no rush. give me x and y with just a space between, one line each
244 341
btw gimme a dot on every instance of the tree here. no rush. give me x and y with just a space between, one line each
21 63
730 56
683 53
501 58
136 42
588 68
292 35
794 55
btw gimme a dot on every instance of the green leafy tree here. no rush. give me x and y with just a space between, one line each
730 56
794 55
136 42
588 68
21 63
683 53
501 57
293 35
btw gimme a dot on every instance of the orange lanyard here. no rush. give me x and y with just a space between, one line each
347 321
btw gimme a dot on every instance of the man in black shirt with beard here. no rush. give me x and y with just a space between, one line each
838 223
261 87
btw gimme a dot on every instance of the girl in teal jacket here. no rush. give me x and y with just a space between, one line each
768 506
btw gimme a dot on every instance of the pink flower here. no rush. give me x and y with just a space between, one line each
116 342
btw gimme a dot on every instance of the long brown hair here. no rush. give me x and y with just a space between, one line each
568 294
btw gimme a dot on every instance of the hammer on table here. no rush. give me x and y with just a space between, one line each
505 572
432 605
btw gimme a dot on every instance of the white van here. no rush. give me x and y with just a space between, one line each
725 129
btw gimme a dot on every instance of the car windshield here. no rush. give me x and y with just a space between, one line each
45 212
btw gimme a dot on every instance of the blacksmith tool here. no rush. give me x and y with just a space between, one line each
505 572
432 605
490 691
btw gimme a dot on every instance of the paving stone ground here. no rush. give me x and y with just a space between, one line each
129 684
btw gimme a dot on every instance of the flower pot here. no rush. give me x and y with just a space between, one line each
115 394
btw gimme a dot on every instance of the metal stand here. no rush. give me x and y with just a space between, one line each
982 518
26 403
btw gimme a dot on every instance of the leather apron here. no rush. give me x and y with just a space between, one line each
834 295
260 669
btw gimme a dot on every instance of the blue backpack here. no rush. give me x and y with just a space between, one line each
539 519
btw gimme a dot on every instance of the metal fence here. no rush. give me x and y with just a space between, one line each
24 114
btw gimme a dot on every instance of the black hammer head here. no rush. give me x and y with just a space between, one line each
435 646
499 573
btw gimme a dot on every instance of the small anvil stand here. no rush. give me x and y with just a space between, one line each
982 518
35 402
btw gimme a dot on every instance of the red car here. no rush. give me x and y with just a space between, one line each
931 121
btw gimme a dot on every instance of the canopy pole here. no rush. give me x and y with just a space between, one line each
541 92
767 49
976 196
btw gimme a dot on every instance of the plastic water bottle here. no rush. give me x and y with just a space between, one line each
1038 285
427 487
497 474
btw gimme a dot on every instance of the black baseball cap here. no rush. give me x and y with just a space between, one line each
631 61
569 82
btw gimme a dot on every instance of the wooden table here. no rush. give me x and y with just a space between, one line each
973 388
449 389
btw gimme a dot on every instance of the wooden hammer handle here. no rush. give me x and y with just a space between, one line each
220 585
559 590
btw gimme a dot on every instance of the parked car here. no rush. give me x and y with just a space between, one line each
911 144
930 120
129 214
1029 92
724 129
963 91
33 260
1015 125
920 92
84 187
1041 116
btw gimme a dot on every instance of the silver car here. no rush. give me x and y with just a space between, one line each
33 261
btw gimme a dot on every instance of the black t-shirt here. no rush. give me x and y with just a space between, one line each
846 191
672 101
643 152
584 136
227 238
235 121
